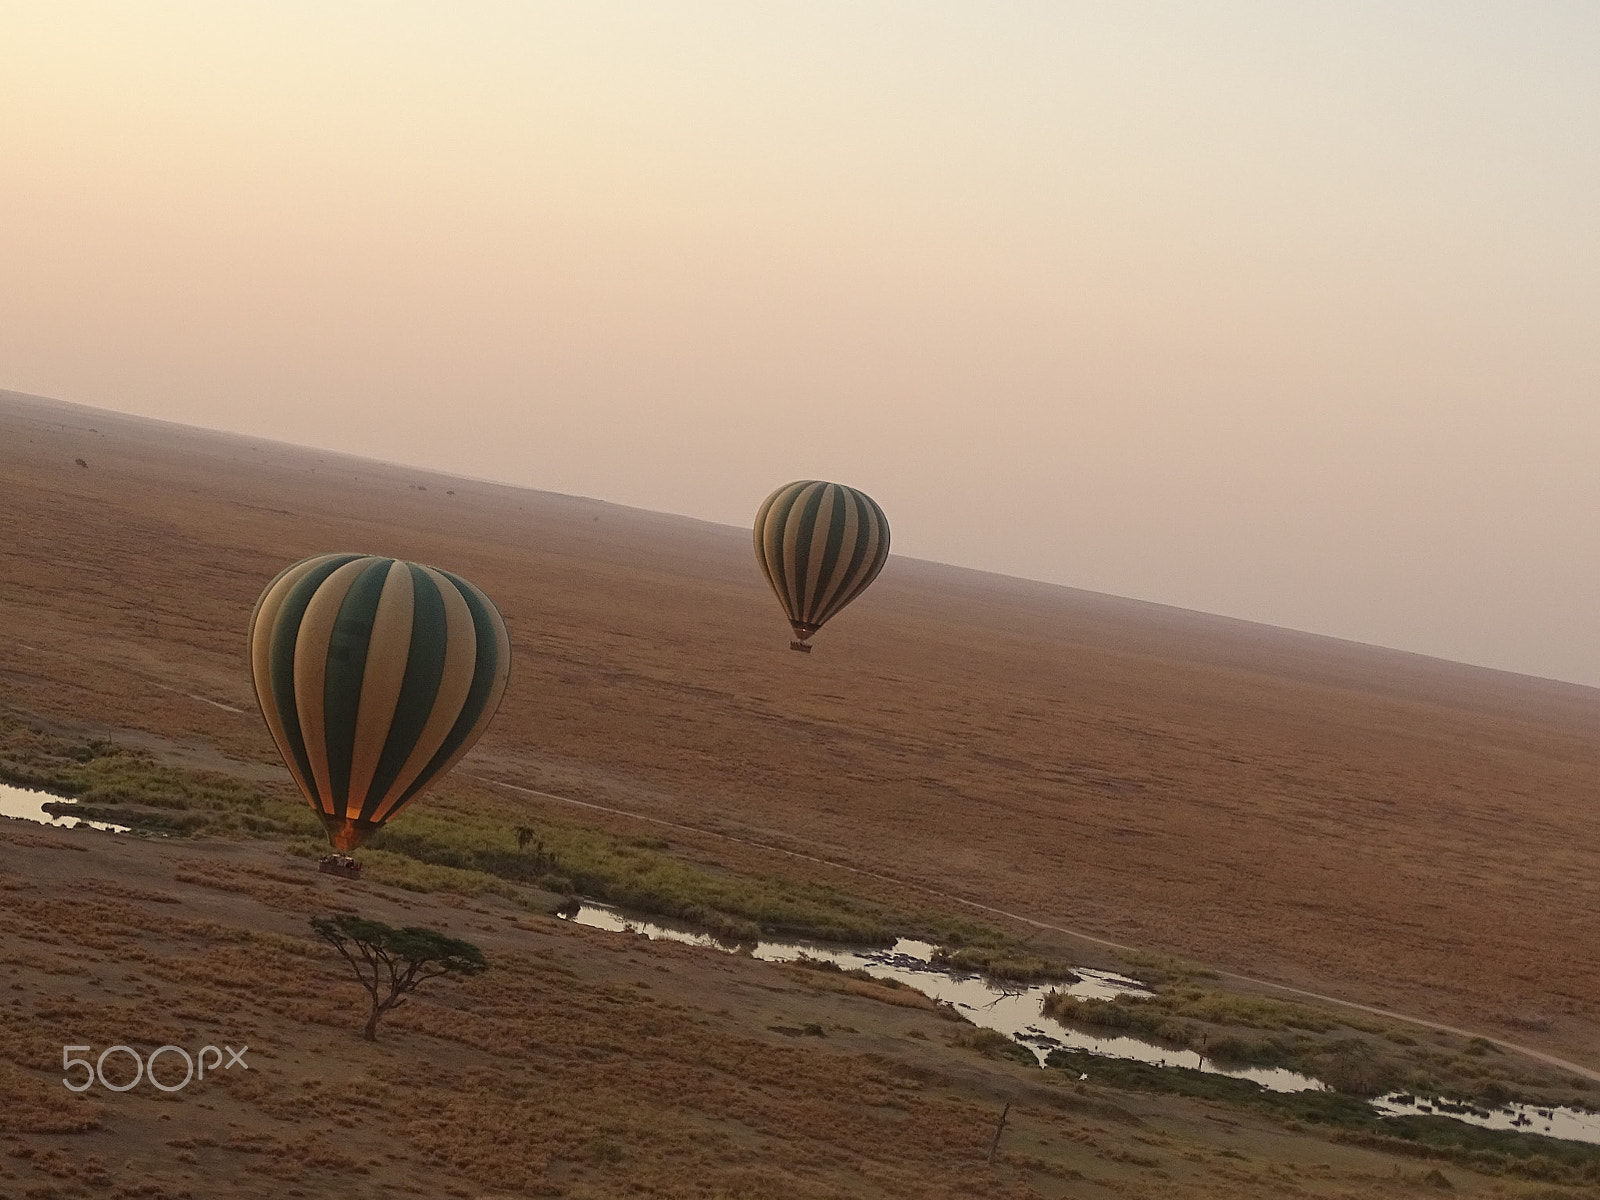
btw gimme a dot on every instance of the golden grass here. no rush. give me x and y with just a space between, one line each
581 1065
1225 793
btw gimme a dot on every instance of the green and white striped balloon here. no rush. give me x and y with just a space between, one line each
374 677
819 545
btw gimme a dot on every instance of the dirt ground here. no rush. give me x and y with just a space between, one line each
583 1064
1387 828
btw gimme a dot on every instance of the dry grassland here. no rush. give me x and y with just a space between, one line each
583 1064
1390 829
1395 829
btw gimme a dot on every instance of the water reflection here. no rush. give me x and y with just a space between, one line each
1569 1123
1014 1010
29 806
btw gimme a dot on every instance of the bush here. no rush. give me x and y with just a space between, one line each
991 1043
1000 963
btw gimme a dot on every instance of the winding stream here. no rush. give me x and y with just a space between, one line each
1015 1011
1572 1124
1012 1010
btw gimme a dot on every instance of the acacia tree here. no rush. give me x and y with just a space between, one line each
390 963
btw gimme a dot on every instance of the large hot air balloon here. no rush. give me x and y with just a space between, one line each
819 545
374 676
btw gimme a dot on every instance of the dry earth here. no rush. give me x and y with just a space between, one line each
1395 829
1387 828
583 1064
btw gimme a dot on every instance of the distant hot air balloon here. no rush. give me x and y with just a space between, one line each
819 545
374 676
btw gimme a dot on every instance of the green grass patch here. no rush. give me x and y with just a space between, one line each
124 786
1353 1053
1000 962
1493 1151
1164 969
470 844
829 967
1347 1118
991 1043
635 875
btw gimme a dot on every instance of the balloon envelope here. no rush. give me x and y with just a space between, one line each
374 677
819 545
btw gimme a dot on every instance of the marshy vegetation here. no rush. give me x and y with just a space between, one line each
1355 1054
472 843
475 844
641 874
1347 1118
991 1043
112 782
1004 963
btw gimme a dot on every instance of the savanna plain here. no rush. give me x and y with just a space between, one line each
1026 776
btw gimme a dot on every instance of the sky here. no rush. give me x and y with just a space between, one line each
1289 312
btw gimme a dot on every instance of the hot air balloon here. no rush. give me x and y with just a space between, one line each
819 545
374 677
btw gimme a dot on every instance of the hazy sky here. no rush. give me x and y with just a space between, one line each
1288 311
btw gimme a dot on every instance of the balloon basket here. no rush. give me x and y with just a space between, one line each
341 865
800 646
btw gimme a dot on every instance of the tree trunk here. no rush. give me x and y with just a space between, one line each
998 1130
371 1031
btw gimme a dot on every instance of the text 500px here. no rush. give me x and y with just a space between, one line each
142 1067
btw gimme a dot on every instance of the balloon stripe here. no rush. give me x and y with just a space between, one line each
365 667
882 523
772 556
491 670
777 526
295 569
845 532
859 557
381 684
497 668
819 545
816 537
345 673
875 552
836 516
762 516
311 672
880 549
455 684
797 544
816 559
263 622
285 639
805 527
424 666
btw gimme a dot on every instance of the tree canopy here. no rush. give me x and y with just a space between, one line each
390 963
